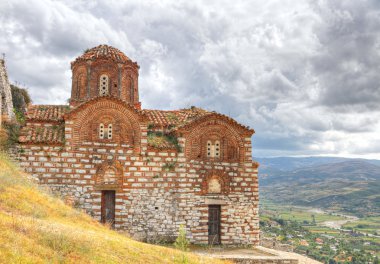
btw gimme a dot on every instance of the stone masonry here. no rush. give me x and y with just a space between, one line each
164 168
6 105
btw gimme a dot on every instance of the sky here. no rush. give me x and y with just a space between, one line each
303 74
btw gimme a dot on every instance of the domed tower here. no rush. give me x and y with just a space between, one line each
104 71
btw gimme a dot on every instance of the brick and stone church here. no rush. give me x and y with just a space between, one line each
143 171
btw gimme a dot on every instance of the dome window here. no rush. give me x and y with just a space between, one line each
103 85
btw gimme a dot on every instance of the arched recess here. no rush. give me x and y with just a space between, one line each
109 176
215 183
124 119
214 141
79 88
131 89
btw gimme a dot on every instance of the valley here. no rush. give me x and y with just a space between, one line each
325 208
324 236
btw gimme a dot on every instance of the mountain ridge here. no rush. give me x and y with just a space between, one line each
349 186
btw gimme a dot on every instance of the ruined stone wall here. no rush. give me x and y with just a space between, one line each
6 105
159 191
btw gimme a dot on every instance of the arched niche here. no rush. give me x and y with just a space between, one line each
109 176
214 186
215 183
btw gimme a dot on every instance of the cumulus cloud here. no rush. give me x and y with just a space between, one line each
303 74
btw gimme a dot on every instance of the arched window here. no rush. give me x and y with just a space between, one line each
131 90
103 85
217 149
213 149
101 131
209 146
109 131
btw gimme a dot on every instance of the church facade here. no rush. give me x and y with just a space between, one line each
143 171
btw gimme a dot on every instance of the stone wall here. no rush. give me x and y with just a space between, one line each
159 191
194 159
6 105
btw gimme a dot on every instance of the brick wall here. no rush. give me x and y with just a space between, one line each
154 198
158 188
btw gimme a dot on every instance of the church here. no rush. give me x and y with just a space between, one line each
143 171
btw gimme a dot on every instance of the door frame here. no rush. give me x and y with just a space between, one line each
211 238
103 218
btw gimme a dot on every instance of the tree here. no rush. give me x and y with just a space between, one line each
20 98
313 216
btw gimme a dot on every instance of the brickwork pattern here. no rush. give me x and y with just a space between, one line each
157 189
121 71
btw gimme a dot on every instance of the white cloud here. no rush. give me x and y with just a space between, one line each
303 74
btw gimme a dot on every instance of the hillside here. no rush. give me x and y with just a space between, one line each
36 227
350 186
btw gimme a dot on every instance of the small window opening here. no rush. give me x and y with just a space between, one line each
103 85
110 131
209 147
217 149
213 149
101 131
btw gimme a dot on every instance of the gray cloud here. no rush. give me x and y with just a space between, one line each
303 74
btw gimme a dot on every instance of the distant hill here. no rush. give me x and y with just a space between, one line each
291 163
346 185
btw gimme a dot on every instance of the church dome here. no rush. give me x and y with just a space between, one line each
104 71
104 52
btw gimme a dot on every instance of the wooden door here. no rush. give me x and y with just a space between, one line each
108 208
214 224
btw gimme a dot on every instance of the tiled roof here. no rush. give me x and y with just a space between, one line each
42 134
160 118
103 51
46 112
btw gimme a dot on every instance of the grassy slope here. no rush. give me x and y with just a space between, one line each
36 227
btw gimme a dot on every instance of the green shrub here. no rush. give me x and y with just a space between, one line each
181 242
9 135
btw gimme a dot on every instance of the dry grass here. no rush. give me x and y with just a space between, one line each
36 227
3 138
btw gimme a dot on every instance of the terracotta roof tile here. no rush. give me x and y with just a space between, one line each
160 118
103 51
172 119
42 134
46 112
